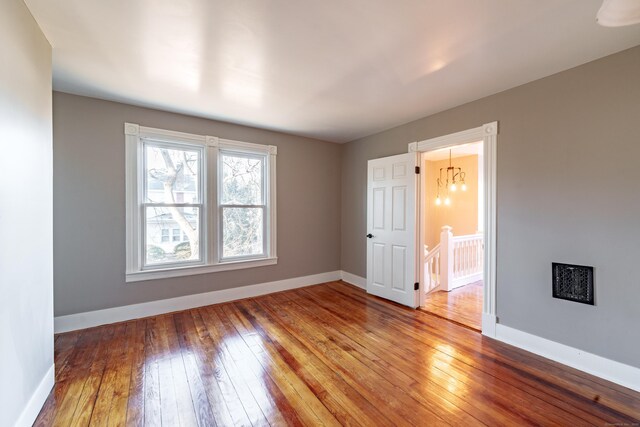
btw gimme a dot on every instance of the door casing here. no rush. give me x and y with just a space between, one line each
488 134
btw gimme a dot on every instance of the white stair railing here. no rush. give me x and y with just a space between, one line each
468 258
454 262
432 269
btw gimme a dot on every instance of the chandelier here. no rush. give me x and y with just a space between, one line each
453 177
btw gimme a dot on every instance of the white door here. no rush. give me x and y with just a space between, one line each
391 228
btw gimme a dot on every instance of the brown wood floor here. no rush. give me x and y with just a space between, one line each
323 355
462 305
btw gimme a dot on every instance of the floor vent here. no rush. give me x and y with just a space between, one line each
573 282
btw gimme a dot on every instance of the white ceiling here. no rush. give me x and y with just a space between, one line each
335 70
472 149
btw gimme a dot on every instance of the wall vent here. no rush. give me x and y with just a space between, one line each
573 282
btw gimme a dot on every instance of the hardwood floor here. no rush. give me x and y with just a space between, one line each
323 355
462 305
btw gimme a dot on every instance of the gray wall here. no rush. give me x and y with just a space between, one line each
567 191
89 206
26 259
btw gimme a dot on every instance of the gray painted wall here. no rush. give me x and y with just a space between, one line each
567 191
89 206
26 259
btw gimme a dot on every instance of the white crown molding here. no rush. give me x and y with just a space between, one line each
352 279
619 373
36 402
90 319
131 129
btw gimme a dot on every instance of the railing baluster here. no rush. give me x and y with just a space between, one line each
466 253
466 259
468 256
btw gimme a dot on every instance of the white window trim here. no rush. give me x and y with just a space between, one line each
134 134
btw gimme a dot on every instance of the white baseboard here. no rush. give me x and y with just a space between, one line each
358 281
489 322
462 281
619 373
39 396
89 319
625 375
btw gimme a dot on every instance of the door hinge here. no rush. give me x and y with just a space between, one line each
417 170
416 286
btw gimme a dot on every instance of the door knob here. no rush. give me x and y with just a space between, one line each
369 235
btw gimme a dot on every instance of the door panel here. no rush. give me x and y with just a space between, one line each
399 170
378 208
378 264
391 222
398 267
399 213
378 173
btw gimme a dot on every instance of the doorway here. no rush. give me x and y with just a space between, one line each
452 220
488 134
395 236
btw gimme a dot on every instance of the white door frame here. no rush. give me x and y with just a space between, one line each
488 134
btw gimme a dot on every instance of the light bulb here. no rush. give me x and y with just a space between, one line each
464 187
453 187
438 201
447 201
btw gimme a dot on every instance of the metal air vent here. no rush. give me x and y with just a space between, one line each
573 282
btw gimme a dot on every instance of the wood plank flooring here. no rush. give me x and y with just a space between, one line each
462 305
323 355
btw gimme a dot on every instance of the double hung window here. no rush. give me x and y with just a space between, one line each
197 204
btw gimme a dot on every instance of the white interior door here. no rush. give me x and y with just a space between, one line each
391 228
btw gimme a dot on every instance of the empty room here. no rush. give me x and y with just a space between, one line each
299 213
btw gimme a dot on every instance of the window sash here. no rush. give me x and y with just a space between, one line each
177 145
264 191
265 250
247 155
144 204
201 260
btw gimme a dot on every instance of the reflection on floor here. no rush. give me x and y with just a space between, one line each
462 305
323 355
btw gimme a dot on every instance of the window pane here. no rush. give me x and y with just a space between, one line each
242 232
173 175
158 248
242 180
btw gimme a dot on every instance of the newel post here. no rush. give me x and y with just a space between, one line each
446 258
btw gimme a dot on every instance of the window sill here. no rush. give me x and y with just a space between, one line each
140 276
